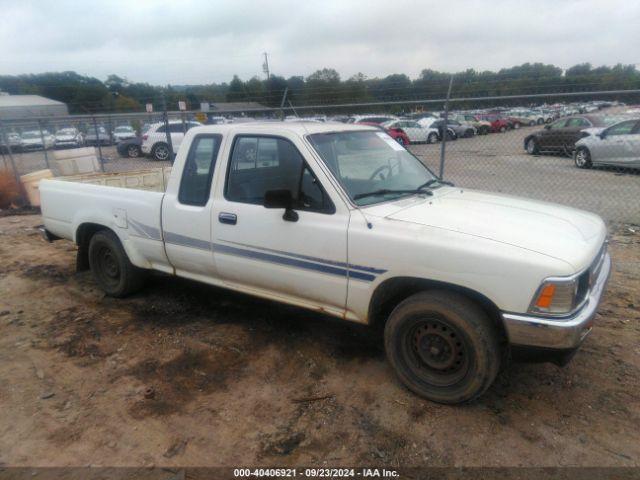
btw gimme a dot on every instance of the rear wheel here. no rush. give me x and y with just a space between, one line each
160 152
432 137
516 125
468 133
582 158
442 346
502 129
400 140
111 268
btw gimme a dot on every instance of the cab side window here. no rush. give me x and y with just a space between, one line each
259 164
624 128
195 185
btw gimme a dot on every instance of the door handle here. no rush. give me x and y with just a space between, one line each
228 218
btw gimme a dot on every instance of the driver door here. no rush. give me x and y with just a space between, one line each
303 261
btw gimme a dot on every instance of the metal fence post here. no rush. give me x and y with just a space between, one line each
44 145
95 129
445 129
5 140
166 128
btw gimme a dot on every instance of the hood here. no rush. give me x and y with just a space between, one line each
593 130
31 140
65 138
570 235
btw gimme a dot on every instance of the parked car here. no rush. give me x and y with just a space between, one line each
69 138
617 145
414 131
342 220
379 119
562 135
131 147
33 140
438 125
123 132
482 127
154 140
102 137
498 122
14 142
396 133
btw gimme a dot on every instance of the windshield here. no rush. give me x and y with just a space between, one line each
123 129
369 161
67 131
30 135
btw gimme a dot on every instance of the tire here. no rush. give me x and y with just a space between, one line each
502 129
111 268
532 123
582 158
432 137
442 346
540 121
531 146
400 140
516 125
483 131
133 151
160 152
468 133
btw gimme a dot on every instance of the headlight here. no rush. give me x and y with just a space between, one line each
556 296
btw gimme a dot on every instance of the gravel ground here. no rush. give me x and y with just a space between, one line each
190 375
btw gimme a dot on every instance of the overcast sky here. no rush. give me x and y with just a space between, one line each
188 42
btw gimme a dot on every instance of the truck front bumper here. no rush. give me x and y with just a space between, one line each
560 335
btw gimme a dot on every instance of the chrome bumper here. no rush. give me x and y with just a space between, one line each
558 333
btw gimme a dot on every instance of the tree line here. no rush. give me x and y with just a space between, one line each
84 94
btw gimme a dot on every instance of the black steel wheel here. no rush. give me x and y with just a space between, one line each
111 268
442 346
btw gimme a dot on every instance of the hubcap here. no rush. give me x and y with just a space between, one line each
530 146
581 158
133 152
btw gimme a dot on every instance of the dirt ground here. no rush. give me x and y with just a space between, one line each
189 375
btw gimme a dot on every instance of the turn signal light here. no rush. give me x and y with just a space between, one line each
546 296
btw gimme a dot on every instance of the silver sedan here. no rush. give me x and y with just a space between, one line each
617 145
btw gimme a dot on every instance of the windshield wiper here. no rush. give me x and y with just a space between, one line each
385 191
420 189
428 183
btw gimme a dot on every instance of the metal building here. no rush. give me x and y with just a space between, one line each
29 106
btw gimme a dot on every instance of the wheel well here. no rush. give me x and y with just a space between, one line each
395 290
84 233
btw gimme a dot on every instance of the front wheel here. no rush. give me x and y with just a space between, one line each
133 151
582 158
531 146
442 346
111 268
400 140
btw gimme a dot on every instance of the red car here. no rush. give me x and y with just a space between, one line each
396 133
498 123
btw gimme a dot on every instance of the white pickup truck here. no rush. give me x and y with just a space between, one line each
343 220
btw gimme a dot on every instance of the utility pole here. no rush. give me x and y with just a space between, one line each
265 65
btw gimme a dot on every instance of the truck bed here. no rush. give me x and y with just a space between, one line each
128 203
152 179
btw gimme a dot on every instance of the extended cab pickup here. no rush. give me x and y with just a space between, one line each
343 220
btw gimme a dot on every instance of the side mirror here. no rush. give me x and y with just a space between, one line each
281 199
603 135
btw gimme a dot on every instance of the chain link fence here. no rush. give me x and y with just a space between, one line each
584 154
